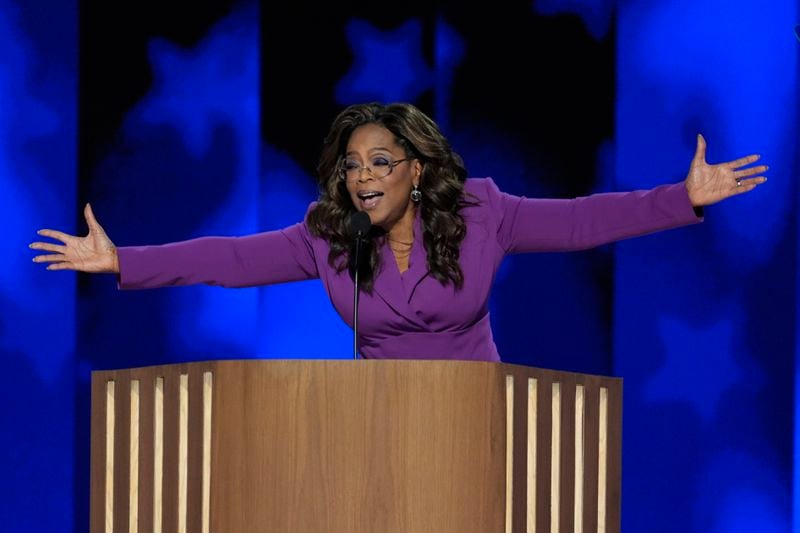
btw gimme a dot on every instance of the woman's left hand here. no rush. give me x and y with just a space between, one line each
709 184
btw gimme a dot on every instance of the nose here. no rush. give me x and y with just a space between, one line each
365 171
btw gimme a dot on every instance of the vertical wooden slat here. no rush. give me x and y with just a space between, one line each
520 514
566 499
171 436
146 427
183 449
109 456
158 455
194 474
544 446
122 408
532 458
614 472
555 458
133 461
208 390
590 454
509 452
579 469
602 463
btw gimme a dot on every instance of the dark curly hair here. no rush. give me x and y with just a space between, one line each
441 184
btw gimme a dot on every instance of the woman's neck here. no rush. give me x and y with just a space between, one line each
403 229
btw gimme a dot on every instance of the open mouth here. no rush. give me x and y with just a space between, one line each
369 199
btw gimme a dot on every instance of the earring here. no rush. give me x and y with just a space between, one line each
416 195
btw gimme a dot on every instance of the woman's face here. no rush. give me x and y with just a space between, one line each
387 200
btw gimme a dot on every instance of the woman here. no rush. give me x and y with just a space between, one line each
437 238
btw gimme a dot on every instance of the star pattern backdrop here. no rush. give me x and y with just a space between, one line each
705 320
178 120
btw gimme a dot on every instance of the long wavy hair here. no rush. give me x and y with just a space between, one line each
441 184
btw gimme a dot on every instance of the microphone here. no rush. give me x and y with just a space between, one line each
359 227
360 224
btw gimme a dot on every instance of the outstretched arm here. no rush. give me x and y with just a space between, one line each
554 225
258 259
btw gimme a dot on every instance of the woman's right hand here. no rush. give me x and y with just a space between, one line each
93 253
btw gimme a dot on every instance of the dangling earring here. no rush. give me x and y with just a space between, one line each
416 195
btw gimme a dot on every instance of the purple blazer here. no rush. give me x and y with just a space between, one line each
412 315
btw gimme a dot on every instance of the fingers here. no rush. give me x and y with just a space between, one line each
58 258
61 266
739 174
700 151
58 235
700 157
749 184
50 258
743 161
746 186
48 247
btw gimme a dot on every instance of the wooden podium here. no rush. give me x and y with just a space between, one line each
365 446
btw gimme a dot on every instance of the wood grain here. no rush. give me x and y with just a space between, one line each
358 446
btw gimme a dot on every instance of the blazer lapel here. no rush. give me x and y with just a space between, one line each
389 286
396 290
418 262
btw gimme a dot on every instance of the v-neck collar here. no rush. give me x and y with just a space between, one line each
395 288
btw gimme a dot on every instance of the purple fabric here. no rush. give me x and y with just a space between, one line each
412 315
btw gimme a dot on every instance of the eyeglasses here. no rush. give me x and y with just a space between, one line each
381 167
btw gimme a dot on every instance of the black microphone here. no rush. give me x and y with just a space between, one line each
359 227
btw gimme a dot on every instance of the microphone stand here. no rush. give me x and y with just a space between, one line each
355 296
360 226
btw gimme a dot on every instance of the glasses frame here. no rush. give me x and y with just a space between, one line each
342 173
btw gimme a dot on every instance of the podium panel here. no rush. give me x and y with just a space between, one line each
354 446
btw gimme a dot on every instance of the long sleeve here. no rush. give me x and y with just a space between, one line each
554 225
258 259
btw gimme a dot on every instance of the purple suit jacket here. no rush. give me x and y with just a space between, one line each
412 315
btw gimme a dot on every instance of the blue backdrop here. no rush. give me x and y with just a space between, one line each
177 123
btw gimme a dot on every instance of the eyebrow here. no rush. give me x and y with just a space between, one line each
375 149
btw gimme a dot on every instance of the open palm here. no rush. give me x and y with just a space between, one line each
93 253
708 184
